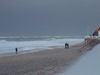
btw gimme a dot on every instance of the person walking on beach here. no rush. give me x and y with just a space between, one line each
66 45
16 49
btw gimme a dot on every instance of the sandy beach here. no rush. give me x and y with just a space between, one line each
47 62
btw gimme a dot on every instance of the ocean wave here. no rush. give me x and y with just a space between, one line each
27 44
1 41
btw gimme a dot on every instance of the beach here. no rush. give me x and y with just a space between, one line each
46 62
88 64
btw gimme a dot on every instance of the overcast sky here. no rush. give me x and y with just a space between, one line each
49 17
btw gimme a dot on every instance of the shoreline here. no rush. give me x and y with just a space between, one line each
28 51
31 51
46 62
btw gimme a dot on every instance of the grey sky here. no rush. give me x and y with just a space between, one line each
48 17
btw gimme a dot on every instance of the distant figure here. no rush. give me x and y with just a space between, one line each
16 49
66 45
85 41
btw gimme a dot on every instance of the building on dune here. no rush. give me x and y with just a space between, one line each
95 35
97 32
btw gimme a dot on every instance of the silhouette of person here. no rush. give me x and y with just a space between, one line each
16 49
66 45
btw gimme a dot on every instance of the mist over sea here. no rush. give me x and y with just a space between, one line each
35 43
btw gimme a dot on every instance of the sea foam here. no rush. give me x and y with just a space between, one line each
8 44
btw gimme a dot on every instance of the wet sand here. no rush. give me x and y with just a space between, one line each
47 62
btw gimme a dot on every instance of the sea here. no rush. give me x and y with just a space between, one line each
36 43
